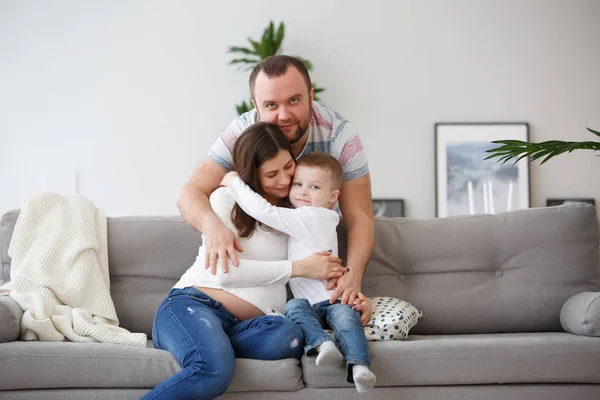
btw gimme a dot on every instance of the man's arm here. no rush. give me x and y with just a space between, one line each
356 207
193 204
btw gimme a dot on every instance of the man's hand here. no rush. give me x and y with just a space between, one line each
228 178
348 287
364 305
219 243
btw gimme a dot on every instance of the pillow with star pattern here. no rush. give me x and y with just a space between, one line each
391 319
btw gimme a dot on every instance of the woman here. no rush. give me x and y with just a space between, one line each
208 320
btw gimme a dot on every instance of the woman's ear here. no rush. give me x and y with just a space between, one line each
334 196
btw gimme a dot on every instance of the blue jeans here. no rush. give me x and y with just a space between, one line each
342 319
205 338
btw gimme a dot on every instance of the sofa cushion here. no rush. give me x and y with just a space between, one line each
510 272
146 257
473 359
391 319
581 314
37 365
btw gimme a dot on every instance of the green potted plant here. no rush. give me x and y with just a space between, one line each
518 149
268 45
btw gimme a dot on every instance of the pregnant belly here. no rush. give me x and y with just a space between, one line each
238 307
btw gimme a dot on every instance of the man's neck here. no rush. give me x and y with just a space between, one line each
300 144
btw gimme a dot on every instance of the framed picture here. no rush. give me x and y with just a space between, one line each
390 208
559 202
468 184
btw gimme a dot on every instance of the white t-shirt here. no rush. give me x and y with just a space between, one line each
263 270
310 230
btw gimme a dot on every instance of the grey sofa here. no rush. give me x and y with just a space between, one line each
491 288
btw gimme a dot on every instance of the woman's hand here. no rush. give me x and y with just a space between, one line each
228 178
319 266
364 305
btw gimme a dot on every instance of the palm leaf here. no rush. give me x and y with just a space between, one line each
259 48
244 107
279 37
593 131
235 49
317 91
510 149
268 41
243 61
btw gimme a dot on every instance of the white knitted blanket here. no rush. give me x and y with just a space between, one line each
59 272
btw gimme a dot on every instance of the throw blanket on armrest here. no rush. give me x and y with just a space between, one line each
59 273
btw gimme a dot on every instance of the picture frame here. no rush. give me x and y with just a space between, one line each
465 183
389 208
560 202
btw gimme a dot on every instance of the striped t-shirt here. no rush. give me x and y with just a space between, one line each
329 132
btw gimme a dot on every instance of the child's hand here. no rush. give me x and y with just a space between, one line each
364 305
228 178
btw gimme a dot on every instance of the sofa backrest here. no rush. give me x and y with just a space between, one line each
509 272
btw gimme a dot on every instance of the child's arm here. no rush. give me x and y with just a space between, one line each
364 305
283 219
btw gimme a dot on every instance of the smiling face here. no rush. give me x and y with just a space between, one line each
286 101
313 186
275 176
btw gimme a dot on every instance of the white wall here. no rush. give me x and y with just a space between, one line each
131 94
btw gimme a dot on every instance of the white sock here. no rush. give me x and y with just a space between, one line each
364 379
329 354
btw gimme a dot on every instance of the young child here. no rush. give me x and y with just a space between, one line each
311 226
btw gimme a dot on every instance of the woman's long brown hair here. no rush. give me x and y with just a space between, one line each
258 143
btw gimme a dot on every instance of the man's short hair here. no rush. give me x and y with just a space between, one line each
326 161
275 66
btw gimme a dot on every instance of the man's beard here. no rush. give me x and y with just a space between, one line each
300 132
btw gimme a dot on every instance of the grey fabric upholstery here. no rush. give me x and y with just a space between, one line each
507 358
455 392
581 314
7 226
39 365
491 288
146 257
10 317
510 272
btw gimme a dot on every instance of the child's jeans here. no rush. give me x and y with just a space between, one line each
342 319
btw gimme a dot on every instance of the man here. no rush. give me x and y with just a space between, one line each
282 94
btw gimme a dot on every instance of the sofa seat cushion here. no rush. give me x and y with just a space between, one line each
473 359
47 365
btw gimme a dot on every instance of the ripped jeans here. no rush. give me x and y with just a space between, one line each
205 338
342 319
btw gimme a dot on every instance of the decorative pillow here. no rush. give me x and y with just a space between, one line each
391 319
580 314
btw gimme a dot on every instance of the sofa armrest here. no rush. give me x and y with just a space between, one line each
580 314
10 319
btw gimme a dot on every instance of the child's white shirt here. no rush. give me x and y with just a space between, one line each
310 230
